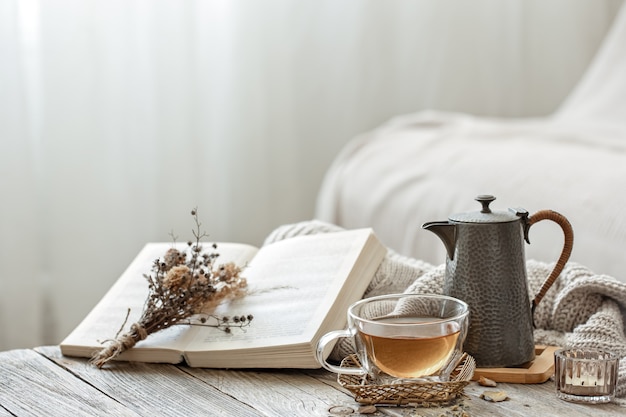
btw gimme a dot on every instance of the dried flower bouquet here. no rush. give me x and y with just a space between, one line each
185 287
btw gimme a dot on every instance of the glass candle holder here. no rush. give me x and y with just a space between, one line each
585 375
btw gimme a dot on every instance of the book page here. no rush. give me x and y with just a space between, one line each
130 292
293 284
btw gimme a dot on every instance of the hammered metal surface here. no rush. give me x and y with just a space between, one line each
488 272
491 217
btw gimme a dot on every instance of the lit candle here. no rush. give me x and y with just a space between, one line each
585 375
584 380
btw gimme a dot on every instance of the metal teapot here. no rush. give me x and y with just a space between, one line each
486 268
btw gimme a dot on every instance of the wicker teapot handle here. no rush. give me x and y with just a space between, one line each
568 233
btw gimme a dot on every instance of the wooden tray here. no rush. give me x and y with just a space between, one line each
535 372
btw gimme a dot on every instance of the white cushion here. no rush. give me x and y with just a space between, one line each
426 166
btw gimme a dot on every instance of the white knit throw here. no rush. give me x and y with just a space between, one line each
581 310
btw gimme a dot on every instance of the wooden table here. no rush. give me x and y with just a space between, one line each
42 382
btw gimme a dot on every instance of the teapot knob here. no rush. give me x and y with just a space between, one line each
485 200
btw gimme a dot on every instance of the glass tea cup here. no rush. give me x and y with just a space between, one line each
402 337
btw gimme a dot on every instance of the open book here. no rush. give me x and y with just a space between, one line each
299 289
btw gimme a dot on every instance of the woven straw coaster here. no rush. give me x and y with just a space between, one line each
413 394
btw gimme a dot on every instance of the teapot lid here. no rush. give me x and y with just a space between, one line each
486 215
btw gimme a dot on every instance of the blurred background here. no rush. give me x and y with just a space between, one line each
118 117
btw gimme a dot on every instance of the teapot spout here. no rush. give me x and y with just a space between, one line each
446 232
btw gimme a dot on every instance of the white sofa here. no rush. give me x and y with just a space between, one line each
425 166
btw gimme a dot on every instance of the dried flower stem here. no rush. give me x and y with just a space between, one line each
183 284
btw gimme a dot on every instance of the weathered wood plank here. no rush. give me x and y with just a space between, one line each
5 413
525 400
31 385
144 389
147 389
277 392
537 400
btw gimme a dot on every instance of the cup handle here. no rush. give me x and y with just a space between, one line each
321 356
568 243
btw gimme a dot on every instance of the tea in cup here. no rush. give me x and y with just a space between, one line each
403 337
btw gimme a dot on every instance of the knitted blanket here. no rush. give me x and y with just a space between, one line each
581 309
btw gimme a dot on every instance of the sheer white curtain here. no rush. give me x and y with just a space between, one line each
117 117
